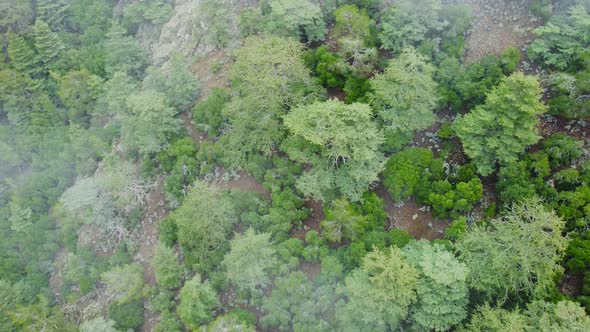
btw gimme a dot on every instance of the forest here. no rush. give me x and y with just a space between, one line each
294 165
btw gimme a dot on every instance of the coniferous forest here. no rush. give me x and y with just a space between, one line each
294 165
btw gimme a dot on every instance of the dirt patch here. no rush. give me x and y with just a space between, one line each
313 222
197 136
212 71
411 217
89 235
571 284
311 270
338 94
244 182
148 233
498 25
550 124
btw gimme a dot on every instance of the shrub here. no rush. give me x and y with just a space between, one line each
127 316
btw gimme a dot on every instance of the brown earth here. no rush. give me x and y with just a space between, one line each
498 25
411 217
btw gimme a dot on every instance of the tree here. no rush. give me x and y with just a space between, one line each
47 42
123 53
168 270
405 94
150 122
296 304
215 22
404 170
354 23
98 324
500 129
153 11
17 15
124 283
228 323
342 222
204 220
78 90
409 22
340 142
297 18
441 288
175 80
379 293
270 78
52 11
563 316
562 40
197 302
488 318
249 261
520 254
22 56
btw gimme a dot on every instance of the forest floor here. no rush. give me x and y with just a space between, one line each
498 25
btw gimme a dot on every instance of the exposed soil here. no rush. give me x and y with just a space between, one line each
209 77
571 284
411 217
313 222
550 124
338 94
498 25
197 136
311 270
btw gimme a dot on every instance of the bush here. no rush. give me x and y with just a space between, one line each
445 131
330 69
127 316
404 170
208 113
562 149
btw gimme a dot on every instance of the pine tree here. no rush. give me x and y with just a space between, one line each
47 42
52 11
22 56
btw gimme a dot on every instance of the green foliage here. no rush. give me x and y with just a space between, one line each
270 77
379 293
341 222
567 92
168 323
341 142
175 80
530 267
561 316
404 170
78 91
123 53
47 42
153 11
98 324
124 283
17 15
329 68
450 200
22 56
504 126
197 302
488 318
250 260
562 149
354 23
229 323
405 94
296 304
52 11
441 288
204 220
301 19
168 270
562 40
150 122
128 315
208 113
215 22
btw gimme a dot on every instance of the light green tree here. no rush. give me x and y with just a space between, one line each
149 123
204 220
227 323
124 283
250 259
270 78
168 270
499 130
441 288
563 316
302 19
342 222
488 318
98 324
197 302
47 42
340 142
175 80
22 56
405 95
520 253
379 293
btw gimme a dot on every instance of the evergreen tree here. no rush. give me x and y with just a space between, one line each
499 130
22 57
168 270
52 11
47 42
197 302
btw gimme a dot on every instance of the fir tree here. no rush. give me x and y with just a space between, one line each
47 42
